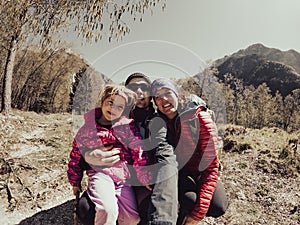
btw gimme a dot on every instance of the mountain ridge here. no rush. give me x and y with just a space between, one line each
258 64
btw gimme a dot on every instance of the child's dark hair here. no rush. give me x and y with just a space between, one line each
113 89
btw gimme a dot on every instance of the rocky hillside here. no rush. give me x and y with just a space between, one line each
258 64
43 81
260 171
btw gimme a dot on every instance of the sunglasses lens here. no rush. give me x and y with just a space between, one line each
143 87
132 87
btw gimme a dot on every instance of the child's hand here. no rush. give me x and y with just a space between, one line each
76 190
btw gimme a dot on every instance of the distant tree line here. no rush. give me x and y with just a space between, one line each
53 81
248 106
85 89
42 79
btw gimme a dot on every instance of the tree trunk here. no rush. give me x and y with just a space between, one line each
7 81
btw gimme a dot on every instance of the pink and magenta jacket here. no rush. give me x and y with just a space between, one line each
123 135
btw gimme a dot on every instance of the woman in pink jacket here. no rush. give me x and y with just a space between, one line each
107 125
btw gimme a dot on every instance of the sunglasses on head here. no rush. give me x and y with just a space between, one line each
142 86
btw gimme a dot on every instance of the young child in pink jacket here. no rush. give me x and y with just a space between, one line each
108 125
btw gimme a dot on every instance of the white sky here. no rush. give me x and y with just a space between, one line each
175 42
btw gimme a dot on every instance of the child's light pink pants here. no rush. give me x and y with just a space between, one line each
113 202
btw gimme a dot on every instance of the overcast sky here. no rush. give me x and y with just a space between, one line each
177 41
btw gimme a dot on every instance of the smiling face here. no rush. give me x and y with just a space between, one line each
112 109
142 89
167 102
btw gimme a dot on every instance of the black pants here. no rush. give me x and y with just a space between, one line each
188 195
85 210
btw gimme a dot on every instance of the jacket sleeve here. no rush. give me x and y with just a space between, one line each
164 152
207 147
75 172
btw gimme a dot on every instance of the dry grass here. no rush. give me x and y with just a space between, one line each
261 175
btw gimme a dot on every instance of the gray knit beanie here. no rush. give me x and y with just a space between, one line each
163 83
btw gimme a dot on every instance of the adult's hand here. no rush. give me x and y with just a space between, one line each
190 221
105 156
76 190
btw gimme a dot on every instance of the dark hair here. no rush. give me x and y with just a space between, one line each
137 75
